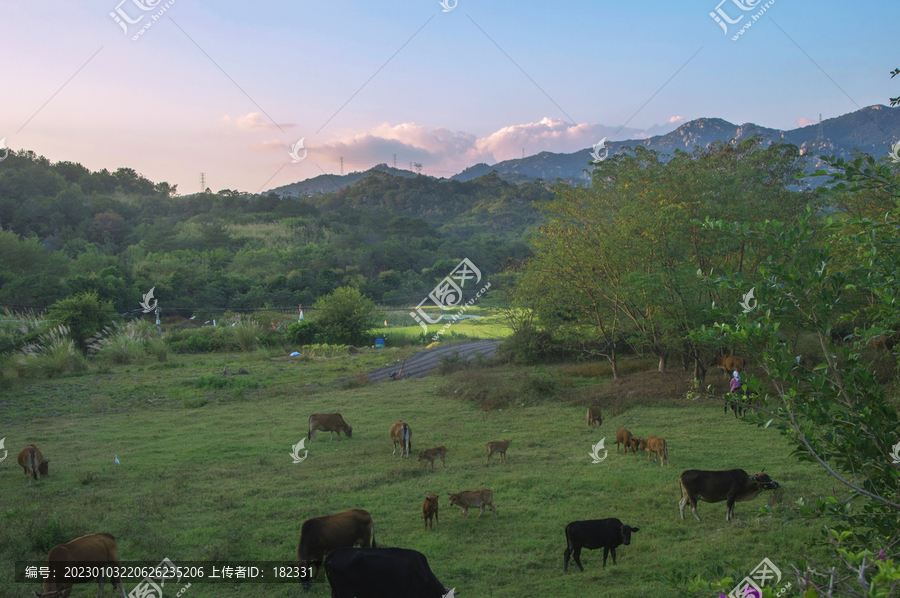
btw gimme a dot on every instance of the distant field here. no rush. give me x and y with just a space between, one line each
206 475
486 324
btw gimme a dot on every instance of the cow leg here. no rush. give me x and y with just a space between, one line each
481 512
605 554
577 556
494 510
694 508
432 465
443 465
394 443
488 459
683 502
435 519
613 551
566 554
332 436
729 509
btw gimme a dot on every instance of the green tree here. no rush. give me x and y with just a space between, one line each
84 314
345 315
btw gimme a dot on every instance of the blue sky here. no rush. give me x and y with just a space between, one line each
226 88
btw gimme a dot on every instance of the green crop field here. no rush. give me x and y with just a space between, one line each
206 475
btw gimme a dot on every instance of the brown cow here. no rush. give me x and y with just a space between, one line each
728 363
328 422
95 550
594 415
626 438
656 446
33 462
319 535
401 434
497 446
473 498
430 509
438 452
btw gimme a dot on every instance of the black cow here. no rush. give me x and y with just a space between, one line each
715 486
381 573
593 534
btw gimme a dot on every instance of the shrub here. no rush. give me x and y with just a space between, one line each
84 315
201 340
345 316
303 333
451 363
54 354
324 350
157 347
232 382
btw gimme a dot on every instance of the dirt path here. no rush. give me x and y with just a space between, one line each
422 364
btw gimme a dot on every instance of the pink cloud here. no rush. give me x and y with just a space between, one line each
255 121
805 122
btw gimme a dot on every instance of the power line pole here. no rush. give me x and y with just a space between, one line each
342 165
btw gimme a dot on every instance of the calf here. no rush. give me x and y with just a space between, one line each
95 550
656 446
608 534
319 535
438 452
473 498
497 446
33 462
400 434
625 437
715 486
328 422
430 509
381 573
594 415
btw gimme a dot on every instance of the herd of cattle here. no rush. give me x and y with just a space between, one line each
330 541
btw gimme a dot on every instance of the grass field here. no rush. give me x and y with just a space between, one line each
206 474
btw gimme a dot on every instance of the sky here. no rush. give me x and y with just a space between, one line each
228 88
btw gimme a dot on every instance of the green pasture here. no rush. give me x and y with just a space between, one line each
487 324
206 475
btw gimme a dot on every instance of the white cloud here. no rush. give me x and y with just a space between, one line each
805 122
255 121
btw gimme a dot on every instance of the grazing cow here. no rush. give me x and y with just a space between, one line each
715 486
656 446
430 509
438 452
381 573
95 550
594 415
328 422
473 498
400 434
33 462
608 534
625 437
319 535
497 446
728 363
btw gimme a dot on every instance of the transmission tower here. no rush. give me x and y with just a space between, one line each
202 182
395 160
342 165
821 134
418 166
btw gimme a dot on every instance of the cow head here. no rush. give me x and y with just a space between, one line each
627 530
421 455
454 498
638 443
349 431
44 467
432 499
764 480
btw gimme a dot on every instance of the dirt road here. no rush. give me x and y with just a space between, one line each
423 363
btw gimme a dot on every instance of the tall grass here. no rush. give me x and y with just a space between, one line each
246 333
54 354
120 345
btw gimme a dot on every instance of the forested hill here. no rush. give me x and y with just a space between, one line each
66 230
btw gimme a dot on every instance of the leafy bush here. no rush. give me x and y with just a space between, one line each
84 315
303 333
201 340
451 363
46 537
345 316
157 347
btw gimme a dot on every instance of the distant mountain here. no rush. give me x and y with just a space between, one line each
872 130
329 183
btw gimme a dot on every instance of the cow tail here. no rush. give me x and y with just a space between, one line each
407 437
309 434
373 535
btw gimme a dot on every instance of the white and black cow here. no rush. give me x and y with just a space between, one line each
381 573
607 534
732 485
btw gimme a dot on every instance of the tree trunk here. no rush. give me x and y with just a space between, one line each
613 363
699 372
663 359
